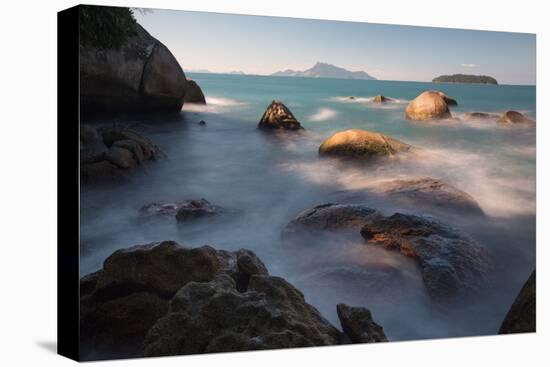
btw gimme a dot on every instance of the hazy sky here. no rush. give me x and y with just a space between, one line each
263 45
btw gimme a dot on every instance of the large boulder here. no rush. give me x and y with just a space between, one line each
106 154
451 263
358 325
278 117
164 299
514 117
430 193
522 316
194 93
361 145
141 75
428 105
330 217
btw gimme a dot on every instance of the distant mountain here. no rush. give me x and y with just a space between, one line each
323 70
465 78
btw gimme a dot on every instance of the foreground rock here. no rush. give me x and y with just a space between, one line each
183 211
194 93
522 318
362 145
164 299
141 75
358 325
107 154
429 105
381 99
330 217
451 263
514 117
430 193
278 117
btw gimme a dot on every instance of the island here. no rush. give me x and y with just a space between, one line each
324 70
465 78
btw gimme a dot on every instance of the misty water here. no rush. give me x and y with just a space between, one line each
265 180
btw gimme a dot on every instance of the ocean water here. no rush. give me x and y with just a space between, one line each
265 181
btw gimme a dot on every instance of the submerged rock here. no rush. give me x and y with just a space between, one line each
522 316
361 144
278 117
429 105
514 117
194 93
164 299
184 210
431 193
330 217
107 153
381 99
358 325
451 263
482 115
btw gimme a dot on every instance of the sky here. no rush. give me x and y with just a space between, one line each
264 45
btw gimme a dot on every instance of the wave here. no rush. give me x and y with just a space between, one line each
368 99
323 114
213 105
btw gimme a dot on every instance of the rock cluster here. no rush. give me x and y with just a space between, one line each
278 117
106 154
164 299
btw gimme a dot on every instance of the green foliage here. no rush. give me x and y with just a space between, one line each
106 27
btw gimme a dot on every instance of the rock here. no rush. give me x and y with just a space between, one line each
194 93
330 217
514 117
351 98
522 316
101 171
482 115
430 193
202 122
381 99
133 147
278 117
141 75
216 317
120 157
451 263
362 145
450 101
183 210
164 299
428 105
358 325
92 148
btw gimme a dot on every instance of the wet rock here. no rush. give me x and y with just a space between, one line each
514 117
450 101
482 115
278 117
361 145
381 99
202 122
522 316
431 193
122 158
194 209
330 217
358 325
194 94
428 105
351 98
451 263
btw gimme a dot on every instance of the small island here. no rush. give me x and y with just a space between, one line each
465 78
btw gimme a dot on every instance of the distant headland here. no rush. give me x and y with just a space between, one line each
324 70
465 78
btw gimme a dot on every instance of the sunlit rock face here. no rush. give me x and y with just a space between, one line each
278 117
382 99
429 105
362 145
514 117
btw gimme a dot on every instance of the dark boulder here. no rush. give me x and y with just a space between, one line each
194 93
358 325
451 263
278 117
522 316
361 145
183 211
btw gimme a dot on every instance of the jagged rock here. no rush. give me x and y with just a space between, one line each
522 316
451 262
358 325
430 193
183 210
381 99
278 117
361 144
330 217
428 105
514 117
194 93
141 75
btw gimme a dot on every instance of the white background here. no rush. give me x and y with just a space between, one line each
28 181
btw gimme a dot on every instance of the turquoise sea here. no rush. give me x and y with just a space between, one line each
267 180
